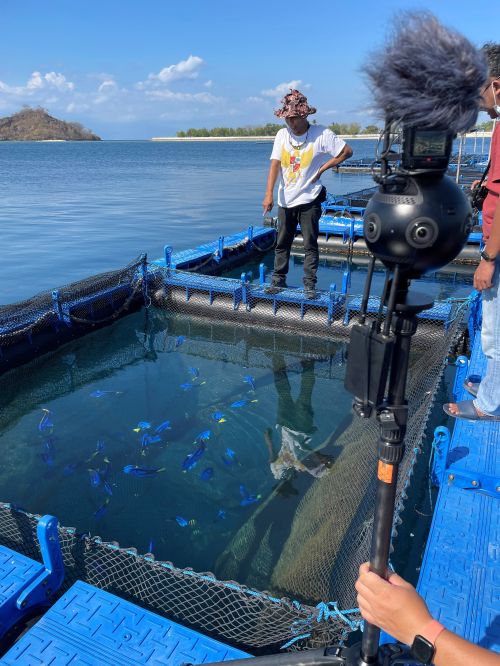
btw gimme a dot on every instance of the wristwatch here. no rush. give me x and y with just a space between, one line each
486 256
423 647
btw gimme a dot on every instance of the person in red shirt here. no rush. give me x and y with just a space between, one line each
486 405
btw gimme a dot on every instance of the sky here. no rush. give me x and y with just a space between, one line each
137 69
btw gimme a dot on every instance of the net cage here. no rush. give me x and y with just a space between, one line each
51 318
331 528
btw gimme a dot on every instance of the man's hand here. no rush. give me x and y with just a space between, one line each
393 605
268 203
483 277
475 183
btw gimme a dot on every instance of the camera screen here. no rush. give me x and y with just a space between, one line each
429 143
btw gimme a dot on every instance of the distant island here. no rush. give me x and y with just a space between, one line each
270 130
37 125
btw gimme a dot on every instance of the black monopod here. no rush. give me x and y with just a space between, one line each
427 82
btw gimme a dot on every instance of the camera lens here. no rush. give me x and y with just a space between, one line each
373 227
422 232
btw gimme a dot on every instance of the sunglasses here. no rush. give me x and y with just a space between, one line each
483 90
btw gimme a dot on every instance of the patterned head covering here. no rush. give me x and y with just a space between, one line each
294 104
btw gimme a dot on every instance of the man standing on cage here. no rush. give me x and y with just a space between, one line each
298 158
486 392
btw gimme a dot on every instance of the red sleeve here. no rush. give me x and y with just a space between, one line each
494 174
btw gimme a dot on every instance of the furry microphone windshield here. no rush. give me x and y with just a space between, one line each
427 75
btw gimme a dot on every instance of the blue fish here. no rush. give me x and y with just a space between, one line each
144 425
194 372
247 499
192 458
106 472
229 457
70 469
179 340
151 546
48 454
99 446
102 509
142 472
144 441
207 474
100 394
163 426
186 387
45 422
218 417
181 521
248 379
95 478
48 459
238 403
222 514
203 436
107 488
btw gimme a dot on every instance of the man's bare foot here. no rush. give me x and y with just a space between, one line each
453 407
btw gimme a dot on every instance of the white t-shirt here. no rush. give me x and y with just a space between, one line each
300 165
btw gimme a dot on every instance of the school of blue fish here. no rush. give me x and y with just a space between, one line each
99 468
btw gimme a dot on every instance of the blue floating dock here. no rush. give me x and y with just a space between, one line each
460 574
93 627
260 239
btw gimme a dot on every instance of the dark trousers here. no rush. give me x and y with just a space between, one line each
307 215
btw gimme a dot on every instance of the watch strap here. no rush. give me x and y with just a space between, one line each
486 256
431 631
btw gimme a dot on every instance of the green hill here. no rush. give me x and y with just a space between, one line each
37 125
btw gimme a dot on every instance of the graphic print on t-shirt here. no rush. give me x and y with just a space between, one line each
294 162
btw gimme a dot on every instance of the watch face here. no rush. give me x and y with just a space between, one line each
422 650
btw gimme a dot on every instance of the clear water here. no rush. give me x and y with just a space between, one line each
100 389
71 210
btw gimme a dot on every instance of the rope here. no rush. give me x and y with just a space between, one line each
111 317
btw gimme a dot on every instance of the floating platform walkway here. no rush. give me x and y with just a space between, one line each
460 574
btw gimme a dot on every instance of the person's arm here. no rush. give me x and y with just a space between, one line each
483 277
344 154
272 177
395 606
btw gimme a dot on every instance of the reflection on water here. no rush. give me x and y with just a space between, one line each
167 435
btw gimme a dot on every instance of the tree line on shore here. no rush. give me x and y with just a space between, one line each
270 129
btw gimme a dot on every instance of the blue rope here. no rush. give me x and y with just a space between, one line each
294 640
325 613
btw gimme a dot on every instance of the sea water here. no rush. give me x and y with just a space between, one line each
74 209
151 391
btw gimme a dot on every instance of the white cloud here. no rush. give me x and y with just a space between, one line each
59 81
256 100
185 69
204 97
39 82
283 88
107 86
328 112
208 84
74 107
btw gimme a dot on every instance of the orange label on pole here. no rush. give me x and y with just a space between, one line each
385 472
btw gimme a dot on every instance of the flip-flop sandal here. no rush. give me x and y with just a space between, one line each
471 384
467 410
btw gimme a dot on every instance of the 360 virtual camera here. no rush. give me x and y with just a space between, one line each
419 218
